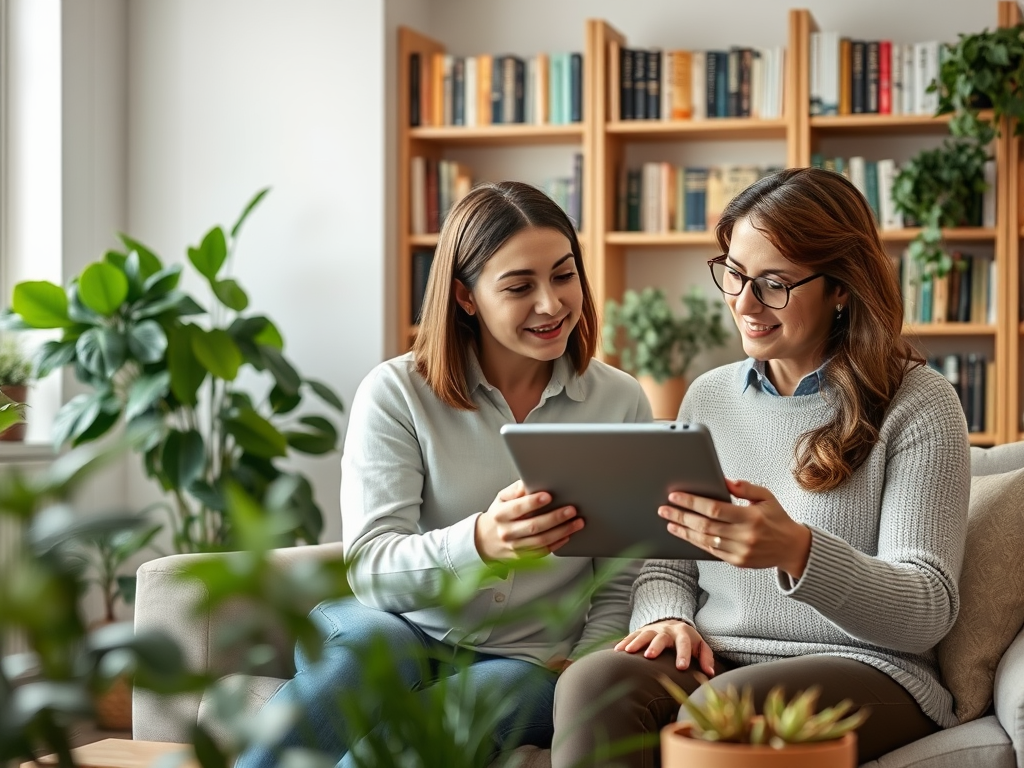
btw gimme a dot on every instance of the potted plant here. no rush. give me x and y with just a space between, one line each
658 346
103 554
942 187
15 375
726 732
148 348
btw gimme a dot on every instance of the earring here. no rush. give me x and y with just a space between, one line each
839 311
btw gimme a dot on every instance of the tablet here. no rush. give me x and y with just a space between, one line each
617 475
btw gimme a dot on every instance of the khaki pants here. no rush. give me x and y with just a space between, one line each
610 707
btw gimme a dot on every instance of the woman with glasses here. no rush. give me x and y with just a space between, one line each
838 562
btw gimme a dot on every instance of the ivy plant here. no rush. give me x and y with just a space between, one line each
144 346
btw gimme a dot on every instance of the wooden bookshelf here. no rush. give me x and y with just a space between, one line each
604 140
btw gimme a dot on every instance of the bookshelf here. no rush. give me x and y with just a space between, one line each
608 143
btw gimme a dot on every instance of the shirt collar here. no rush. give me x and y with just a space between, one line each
756 374
563 377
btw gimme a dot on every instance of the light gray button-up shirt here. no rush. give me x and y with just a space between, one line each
416 473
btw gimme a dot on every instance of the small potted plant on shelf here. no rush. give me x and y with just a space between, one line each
658 346
726 732
15 375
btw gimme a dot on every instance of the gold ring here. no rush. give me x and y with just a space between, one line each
716 542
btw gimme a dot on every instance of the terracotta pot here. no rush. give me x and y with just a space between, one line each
665 397
18 393
680 750
114 706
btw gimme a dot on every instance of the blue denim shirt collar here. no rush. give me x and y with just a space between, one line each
756 374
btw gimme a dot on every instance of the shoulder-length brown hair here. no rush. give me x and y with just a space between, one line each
818 219
475 228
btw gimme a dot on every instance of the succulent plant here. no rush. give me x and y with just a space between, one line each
730 716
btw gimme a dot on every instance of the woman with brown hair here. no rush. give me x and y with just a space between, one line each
838 563
429 493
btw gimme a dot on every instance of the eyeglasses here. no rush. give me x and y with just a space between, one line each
772 293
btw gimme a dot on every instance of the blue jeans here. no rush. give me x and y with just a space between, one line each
349 630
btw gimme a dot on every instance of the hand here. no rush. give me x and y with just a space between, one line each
760 535
671 633
509 530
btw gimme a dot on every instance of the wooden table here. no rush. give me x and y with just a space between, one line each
121 753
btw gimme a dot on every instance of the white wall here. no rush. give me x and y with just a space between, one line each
230 96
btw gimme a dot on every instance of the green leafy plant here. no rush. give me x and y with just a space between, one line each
105 553
729 716
983 71
147 347
943 187
652 340
15 365
939 188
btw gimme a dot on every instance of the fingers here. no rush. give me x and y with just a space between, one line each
741 489
514 491
710 508
706 658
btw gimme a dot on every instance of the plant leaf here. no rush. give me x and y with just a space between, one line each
320 438
247 210
52 355
161 282
145 392
209 257
149 262
187 374
103 288
216 351
287 378
326 394
41 304
101 351
177 301
230 294
183 457
255 434
147 341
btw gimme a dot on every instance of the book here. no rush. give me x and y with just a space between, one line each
447 89
650 197
458 91
470 92
715 199
653 108
639 85
575 87
414 89
682 80
885 77
698 85
871 185
418 196
815 73
845 106
733 83
746 61
433 197
722 84
896 78
634 183
695 192
711 83
497 90
858 77
625 84
889 217
422 261
909 68
484 66
871 77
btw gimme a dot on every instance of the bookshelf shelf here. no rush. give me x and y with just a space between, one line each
635 239
959 234
500 135
739 128
983 438
950 329
889 125
424 241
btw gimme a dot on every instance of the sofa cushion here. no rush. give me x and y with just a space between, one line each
980 744
991 592
998 459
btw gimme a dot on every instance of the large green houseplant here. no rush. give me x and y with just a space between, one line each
981 74
657 345
147 347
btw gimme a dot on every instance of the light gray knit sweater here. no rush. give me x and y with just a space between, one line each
881 582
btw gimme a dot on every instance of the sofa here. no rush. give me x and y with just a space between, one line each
993 740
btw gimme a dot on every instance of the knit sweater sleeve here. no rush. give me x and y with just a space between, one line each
904 596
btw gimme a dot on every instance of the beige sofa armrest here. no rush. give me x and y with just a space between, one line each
165 601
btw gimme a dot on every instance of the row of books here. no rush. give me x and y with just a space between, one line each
422 261
872 76
973 377
964 295
661 197
546 89
435 186
875 179
694 85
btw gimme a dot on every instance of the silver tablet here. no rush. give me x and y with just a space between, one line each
617 475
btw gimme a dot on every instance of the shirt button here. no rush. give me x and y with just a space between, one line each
499 598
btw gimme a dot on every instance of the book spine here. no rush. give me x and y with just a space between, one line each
871 75
458 91
815 73
625 84
733 83
576 212
668 75
896 78
682 96
696 190
698 84
497 89
858 77
845 107
885 77
414 89
746 65
433 197
722 84
653 108
711 83
422 261
418 195
634 180
519 91
909 79
576 87
447 89
639 85
871 183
